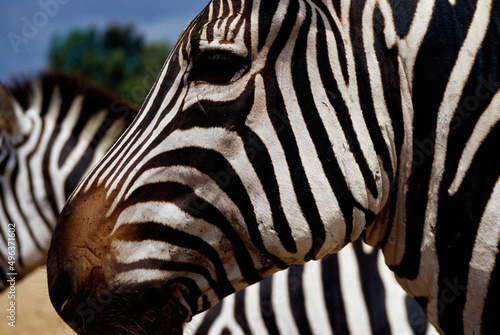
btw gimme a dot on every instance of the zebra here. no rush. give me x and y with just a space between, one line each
52 130
57 101
341 294
26 100
276 133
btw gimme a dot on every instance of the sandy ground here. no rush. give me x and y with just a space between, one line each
34 312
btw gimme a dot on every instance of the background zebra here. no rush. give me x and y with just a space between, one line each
54 128
341 294
374 139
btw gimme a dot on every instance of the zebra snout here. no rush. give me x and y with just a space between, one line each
85 287
77 287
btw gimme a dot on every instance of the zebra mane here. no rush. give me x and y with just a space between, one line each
96 98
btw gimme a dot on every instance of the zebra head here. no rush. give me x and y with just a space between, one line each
250 153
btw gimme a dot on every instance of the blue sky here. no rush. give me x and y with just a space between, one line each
27 26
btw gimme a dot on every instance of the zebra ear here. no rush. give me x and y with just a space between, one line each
8 120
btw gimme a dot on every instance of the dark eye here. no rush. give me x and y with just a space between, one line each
217 67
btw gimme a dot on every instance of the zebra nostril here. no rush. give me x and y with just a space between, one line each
61 295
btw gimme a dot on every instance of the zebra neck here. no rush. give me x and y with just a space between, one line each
444 92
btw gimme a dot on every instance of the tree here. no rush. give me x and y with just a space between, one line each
116 58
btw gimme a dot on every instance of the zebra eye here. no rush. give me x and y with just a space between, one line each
216 67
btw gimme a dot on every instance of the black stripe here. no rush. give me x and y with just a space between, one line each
211 214
373 289
416 316
490 312
239 312
319 135
301 186
47 178
297 298
25 221
456 233
333 294
266 305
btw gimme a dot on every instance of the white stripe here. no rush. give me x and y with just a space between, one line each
121 149
191 327
85 137
281 304
170 215
352 293
231 146
127 252
315 299
347 163
482 263
35 164
253 310
143 143
57 176
111 136
345 157
119 166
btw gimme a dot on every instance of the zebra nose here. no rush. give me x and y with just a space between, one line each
74 261
77 289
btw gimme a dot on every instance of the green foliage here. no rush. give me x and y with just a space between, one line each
116 58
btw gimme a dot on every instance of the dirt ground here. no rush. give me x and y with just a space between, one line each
34 312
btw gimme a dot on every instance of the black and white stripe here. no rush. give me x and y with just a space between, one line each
351 292
279 131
